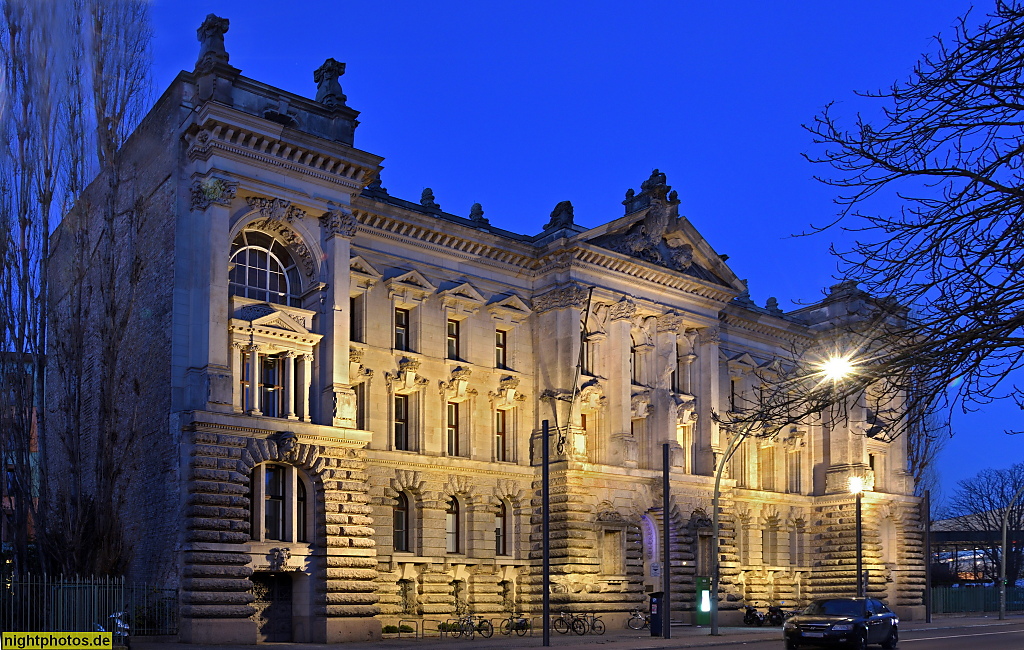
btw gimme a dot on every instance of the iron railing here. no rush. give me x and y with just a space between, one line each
42 603
956 600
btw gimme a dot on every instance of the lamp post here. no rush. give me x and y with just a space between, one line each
834 369
857 488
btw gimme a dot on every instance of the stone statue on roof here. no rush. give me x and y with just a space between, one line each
328 90
561 216
211 39
476 214
427 199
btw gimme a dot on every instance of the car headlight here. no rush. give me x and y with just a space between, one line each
789 625
842 627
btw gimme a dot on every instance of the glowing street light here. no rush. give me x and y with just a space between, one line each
836 369
856 485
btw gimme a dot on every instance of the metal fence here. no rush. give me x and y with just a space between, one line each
956 600
60 604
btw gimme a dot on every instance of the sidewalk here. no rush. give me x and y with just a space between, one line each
682 637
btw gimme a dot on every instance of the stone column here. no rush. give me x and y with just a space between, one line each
619 349
237 398
338 400
706 389
663 419
254 380
205 232
288 371
306 367
557 333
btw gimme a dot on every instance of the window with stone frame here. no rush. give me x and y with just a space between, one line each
453 339
613 551
501 529
770 542
360 389
280 505
794 469
453 430
401 527
587 356
453 526
402 421
402 329
501 350
501 417
766 467
798 543
357 318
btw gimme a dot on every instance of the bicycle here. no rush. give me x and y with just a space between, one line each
470 625
594 623
567 621
519 623
638 620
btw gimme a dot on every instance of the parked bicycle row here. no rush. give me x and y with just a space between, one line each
471 625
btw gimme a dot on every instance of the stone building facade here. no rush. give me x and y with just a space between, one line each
353 387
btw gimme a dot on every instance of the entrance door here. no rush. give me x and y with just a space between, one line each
273 592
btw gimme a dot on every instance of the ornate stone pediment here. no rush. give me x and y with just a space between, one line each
654 232
591 396
457 388
507 394
640 405
362 273
409 288
463 299
686 409
405 380
273 324
510 309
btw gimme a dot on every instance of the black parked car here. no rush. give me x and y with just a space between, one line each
843 622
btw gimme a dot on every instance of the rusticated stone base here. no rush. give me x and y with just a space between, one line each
347 630
218 631
910 612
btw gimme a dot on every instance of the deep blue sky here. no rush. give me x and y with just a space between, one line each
521 105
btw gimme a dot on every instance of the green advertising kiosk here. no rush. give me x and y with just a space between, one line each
703 603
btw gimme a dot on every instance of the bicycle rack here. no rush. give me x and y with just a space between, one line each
413 623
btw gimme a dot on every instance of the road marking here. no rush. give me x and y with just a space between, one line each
960 636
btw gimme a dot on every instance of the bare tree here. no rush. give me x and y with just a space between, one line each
978 505
75 85
100 266
31 158
948 147
924 444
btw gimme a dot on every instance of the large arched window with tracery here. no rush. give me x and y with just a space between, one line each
262 268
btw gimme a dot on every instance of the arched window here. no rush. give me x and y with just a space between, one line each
400 523
281 509
262 268
451 526
501 530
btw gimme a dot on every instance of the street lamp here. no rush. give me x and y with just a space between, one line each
834 369
856 484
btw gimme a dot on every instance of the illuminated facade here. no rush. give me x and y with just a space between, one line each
357 384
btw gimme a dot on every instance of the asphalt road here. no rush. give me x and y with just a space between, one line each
975 637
